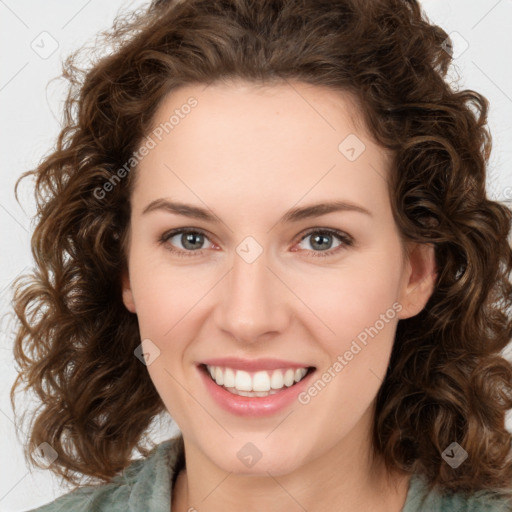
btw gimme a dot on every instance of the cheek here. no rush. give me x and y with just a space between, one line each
168 302
165 293
350 299
359 314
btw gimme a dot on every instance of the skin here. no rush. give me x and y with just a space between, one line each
249 154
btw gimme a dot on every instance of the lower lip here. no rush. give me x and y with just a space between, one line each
253 405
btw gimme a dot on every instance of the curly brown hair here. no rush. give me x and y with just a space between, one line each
447 379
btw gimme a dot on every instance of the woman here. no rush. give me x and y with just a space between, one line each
269 220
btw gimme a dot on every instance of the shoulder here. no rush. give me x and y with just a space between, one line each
144 485
419 499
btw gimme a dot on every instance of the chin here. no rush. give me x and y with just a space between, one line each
256 459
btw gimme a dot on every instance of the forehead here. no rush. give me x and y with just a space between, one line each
269 145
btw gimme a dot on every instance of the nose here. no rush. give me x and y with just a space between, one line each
254 302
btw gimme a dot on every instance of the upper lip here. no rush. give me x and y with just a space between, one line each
253 364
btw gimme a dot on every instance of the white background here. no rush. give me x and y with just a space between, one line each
30 108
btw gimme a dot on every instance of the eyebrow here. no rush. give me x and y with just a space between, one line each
292 215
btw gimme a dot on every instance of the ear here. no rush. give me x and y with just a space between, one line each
127 292
419 279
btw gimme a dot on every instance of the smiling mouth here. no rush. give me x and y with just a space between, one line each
255 384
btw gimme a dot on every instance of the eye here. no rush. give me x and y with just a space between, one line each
322 241
191 240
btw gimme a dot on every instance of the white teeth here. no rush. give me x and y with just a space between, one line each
219 376
229 378
277 380
261 383
243 381
289 377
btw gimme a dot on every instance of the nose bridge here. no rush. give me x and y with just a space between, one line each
251 303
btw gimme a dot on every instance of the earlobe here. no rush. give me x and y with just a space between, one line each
420 278
127 293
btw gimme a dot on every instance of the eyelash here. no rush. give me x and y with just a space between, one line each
346 240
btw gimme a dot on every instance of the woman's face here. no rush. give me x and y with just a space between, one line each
270 271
